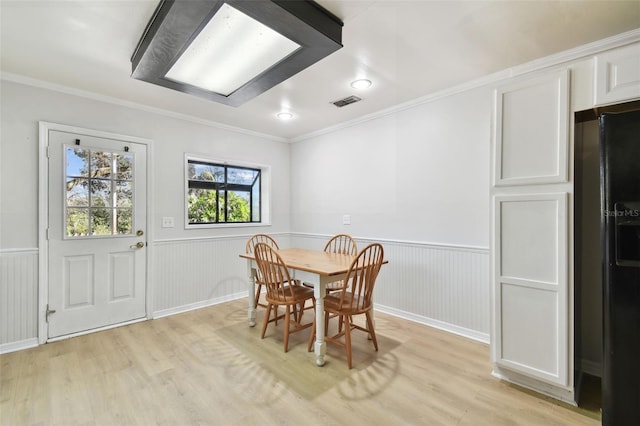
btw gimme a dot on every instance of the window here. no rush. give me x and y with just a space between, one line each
220 193
99 192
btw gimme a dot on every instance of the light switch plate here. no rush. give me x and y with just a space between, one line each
346 219
167 222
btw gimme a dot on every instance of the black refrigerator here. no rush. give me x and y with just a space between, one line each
620 230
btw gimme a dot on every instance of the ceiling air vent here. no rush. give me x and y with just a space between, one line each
346 101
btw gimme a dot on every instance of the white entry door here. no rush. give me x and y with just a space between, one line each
96 232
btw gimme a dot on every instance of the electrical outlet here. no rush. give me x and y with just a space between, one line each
346 219
167 222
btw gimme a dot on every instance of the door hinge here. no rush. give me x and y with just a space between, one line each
49 312
47 151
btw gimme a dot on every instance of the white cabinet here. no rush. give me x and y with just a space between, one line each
530 285
531 131
531 339
617 75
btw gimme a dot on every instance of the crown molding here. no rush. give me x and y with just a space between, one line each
555 60
558 59
28 81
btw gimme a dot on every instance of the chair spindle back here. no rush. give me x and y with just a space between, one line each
274 273
361 278
343 244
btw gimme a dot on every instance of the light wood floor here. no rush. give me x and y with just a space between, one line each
208 367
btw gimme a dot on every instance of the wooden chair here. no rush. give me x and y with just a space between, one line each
281 290
251 242
355 298
343 244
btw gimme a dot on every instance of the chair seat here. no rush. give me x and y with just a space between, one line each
334 286
298 294
332 304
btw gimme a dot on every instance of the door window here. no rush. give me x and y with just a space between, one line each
99 192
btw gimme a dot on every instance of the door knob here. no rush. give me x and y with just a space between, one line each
139 232
139 245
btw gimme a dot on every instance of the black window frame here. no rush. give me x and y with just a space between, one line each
226 187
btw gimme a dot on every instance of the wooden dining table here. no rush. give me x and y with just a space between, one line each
310 266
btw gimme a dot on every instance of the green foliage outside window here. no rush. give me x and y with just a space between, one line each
99 192
222 194
202 207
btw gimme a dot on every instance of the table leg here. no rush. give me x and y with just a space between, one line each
320 345
252 293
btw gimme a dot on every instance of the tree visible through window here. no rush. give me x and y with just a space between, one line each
221 193
99 192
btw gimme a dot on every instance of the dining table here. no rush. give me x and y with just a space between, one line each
314 267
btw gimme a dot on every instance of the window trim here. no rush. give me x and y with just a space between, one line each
265 192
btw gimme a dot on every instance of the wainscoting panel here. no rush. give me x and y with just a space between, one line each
189 272
441 286
192 273
18 299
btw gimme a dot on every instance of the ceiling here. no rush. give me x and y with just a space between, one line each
408 49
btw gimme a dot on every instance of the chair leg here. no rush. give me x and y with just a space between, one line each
287 321
312 335
347 338
258 291
300 312
372 331
295 312
267 315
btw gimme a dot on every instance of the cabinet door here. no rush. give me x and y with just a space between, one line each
530 331
530 285
531 131
618 75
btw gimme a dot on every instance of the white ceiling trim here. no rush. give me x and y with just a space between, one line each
562 58
16 78
470 85
578 53
559 59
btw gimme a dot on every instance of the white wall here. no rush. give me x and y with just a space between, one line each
22 107
417 179
421 174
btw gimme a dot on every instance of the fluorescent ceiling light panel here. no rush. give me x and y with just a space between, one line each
231 50
189 45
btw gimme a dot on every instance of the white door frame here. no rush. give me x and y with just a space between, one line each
43 220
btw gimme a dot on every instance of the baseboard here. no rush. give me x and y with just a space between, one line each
198 305
557 392
441 325
18 346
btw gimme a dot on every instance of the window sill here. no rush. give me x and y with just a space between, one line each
190 227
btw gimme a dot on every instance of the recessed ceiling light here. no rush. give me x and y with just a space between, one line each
362 83
285 115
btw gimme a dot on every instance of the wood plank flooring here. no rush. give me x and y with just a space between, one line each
208 367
